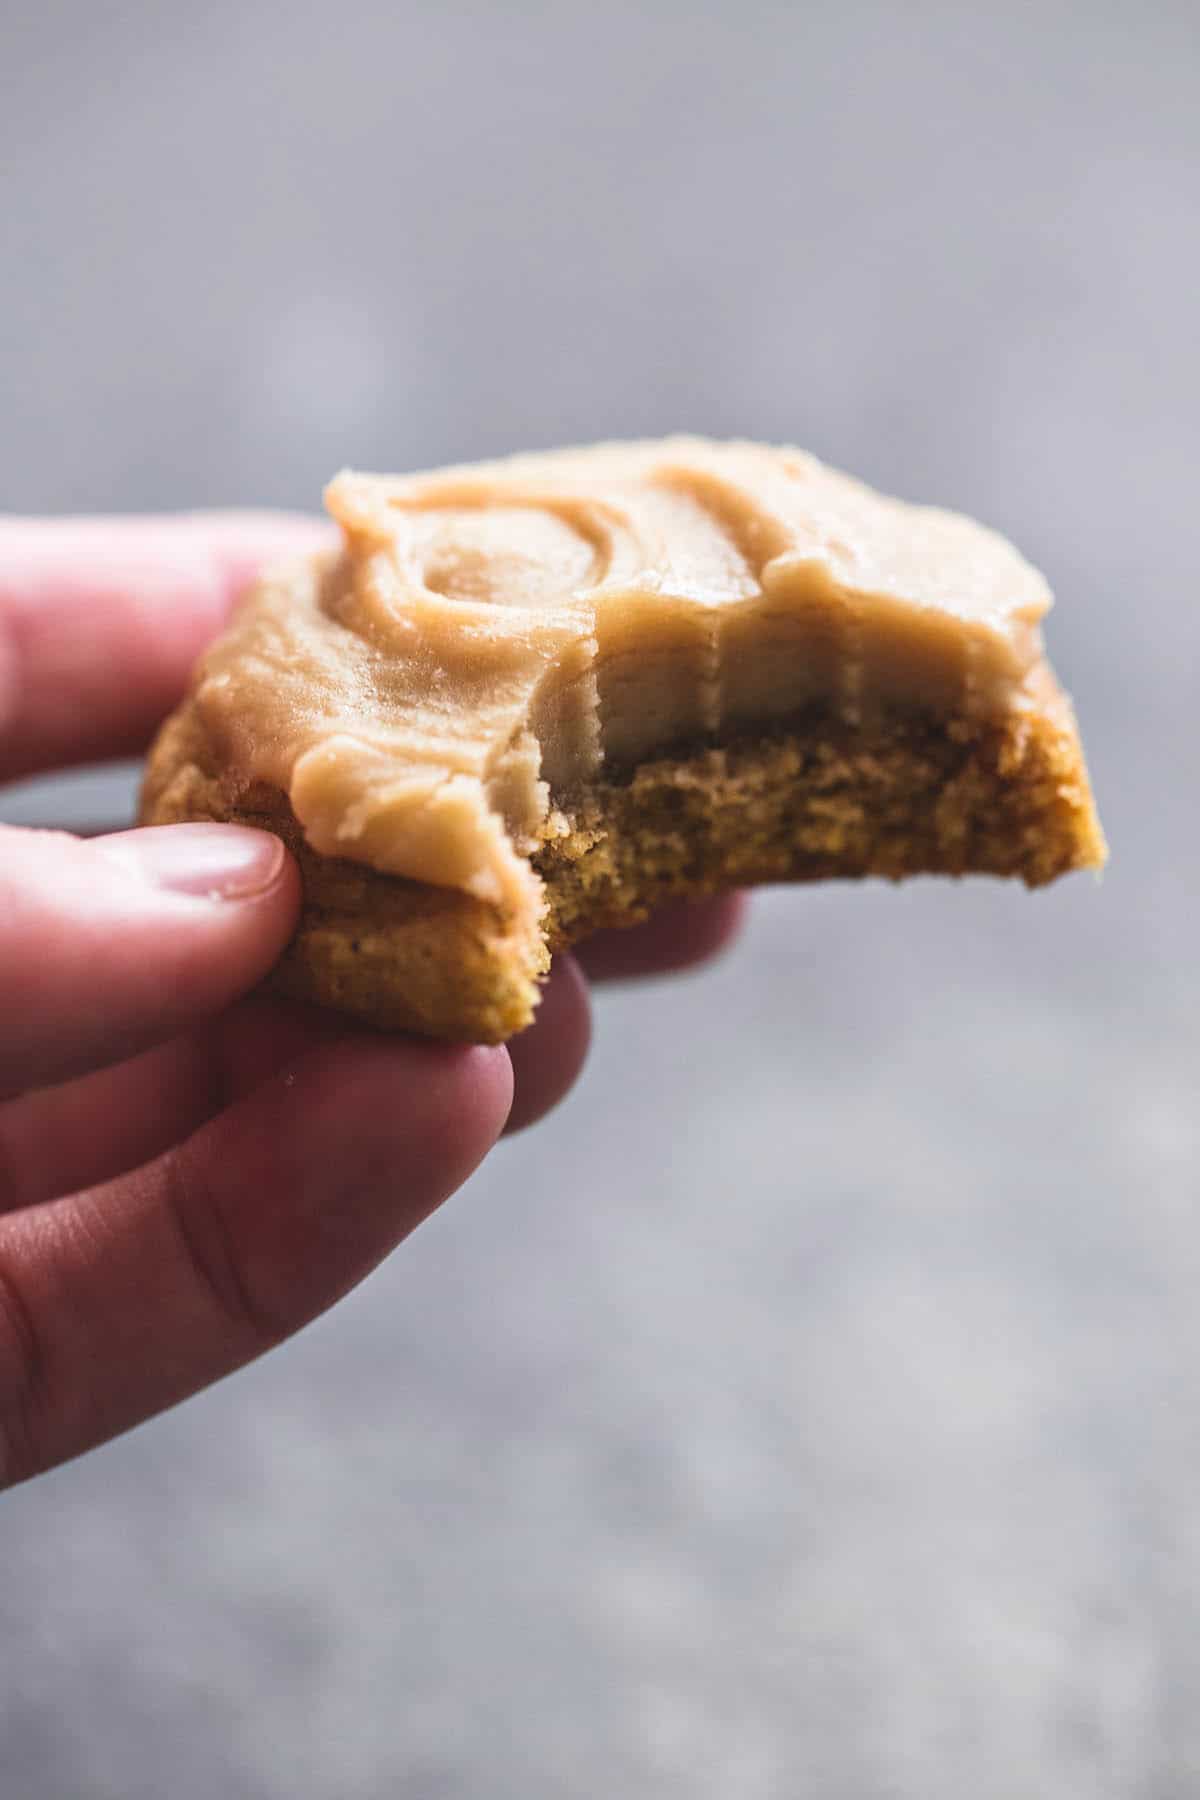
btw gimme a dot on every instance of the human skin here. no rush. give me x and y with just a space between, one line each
189 1172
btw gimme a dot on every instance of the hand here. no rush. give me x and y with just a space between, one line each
188 1175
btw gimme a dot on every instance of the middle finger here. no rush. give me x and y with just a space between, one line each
55 1140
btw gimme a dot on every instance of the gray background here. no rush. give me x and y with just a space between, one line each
813 1405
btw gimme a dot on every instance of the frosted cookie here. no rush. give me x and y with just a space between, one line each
535 697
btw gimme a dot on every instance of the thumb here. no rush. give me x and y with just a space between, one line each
109 945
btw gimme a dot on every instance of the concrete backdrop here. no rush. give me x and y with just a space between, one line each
811 1407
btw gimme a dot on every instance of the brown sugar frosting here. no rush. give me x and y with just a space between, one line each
493 637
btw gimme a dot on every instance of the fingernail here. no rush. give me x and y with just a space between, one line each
220 862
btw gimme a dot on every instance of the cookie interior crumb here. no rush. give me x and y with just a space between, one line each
817 799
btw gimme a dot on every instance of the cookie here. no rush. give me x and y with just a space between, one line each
533 698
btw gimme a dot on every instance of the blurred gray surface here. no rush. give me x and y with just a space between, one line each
811 1406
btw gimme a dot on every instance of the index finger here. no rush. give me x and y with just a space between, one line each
102 619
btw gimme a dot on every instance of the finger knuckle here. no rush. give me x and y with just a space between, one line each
215 1262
